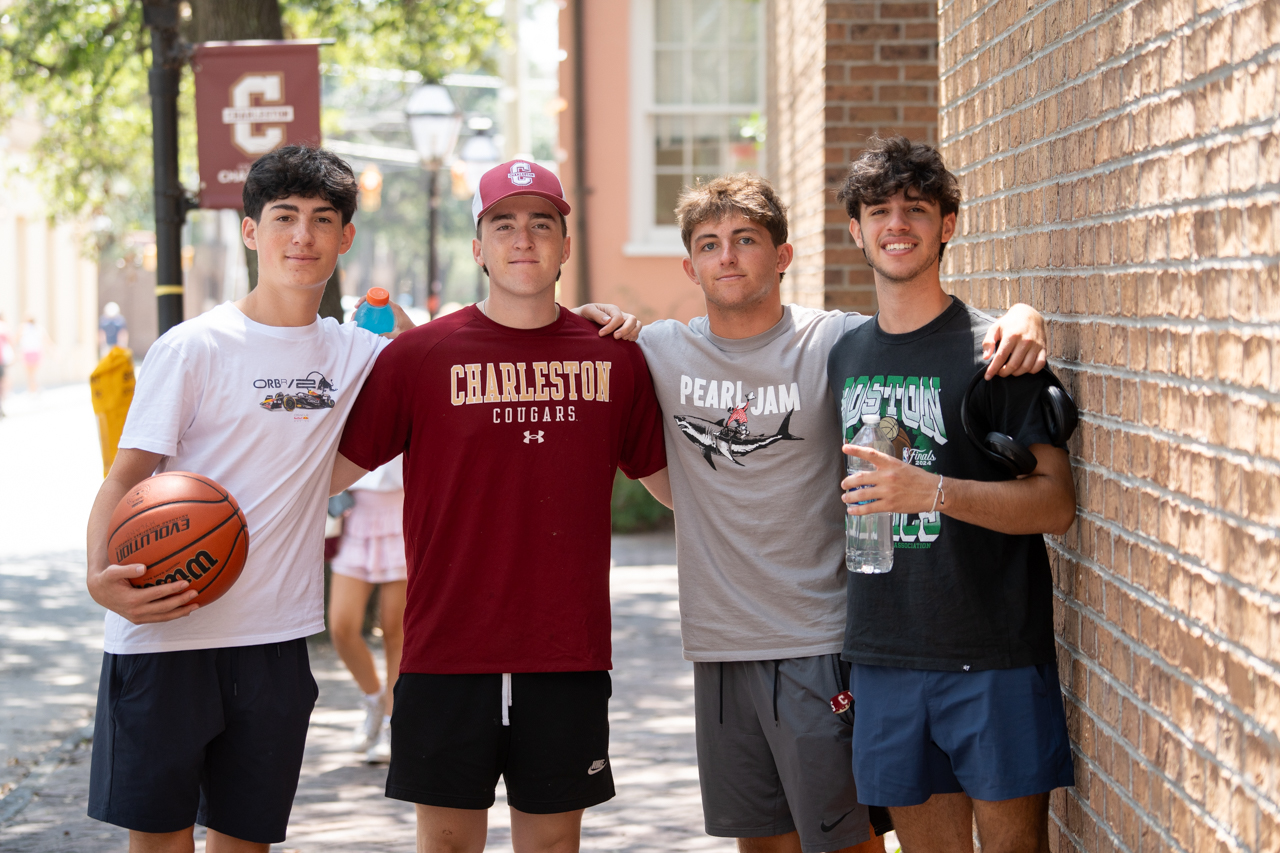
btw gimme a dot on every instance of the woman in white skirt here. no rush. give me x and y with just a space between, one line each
371 554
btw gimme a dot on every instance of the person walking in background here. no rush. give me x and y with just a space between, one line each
6 358
32 352
371 554
113 331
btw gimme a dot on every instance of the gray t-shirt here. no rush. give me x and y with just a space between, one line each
753 448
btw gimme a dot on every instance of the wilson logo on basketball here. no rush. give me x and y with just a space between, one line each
138 541
182 527
196 568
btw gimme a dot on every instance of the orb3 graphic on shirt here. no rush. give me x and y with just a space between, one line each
181 526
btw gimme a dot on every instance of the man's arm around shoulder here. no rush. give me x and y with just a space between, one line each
108 583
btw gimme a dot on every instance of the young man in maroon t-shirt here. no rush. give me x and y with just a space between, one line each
512 415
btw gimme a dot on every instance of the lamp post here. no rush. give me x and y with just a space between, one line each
478 154
434 123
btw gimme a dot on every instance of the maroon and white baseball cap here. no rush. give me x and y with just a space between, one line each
519 177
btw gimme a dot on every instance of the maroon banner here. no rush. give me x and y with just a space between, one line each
251 98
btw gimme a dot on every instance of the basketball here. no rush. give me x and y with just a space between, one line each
181 526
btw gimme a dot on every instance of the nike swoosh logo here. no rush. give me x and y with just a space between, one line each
828 827
596 767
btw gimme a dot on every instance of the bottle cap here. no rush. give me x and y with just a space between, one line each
377 297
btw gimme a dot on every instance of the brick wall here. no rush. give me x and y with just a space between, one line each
842 71
881 77
1120 162
795 144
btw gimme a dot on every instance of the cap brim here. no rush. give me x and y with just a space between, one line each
560 204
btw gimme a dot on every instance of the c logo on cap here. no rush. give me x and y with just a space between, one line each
521 174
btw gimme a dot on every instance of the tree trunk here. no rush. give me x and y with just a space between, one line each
233 20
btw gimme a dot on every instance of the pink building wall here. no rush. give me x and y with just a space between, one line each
653 288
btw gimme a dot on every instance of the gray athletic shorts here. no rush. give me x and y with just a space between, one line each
772 757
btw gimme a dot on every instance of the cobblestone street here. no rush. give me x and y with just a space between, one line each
50 652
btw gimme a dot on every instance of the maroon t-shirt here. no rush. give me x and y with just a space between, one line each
510 438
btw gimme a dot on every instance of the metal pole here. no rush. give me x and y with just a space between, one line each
170 200
433 262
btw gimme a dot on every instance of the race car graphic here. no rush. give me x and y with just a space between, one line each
305 400
730 439
311 392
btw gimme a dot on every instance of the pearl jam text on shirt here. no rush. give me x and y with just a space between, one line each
535 382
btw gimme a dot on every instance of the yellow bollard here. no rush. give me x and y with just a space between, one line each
112 385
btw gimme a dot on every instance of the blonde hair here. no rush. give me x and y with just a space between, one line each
744 193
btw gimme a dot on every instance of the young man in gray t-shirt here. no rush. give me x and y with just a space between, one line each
754 460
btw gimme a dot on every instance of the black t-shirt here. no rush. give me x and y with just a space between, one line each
959 597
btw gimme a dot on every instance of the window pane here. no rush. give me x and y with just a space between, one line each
708 70
744 21
744 156
743 77
708 140
708 21
669 141
666 192
668 73
669 26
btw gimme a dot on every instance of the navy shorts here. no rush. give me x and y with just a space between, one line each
208 736
449 743
995 734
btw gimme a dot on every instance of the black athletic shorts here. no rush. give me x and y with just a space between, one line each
209 736
449 743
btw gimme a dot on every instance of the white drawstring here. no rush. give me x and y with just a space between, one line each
506 698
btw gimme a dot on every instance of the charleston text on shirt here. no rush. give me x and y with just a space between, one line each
538 381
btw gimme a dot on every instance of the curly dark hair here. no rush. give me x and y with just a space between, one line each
888 166
303 170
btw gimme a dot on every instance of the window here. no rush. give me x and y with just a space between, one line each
697 96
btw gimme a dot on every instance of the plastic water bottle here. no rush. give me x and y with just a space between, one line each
375 314
868 539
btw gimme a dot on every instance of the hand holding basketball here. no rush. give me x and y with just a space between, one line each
177 541
112 587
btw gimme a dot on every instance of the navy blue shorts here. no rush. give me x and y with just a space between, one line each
996 734
208 736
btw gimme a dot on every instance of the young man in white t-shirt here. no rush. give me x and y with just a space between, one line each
203 711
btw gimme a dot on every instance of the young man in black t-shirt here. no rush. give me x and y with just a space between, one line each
953 648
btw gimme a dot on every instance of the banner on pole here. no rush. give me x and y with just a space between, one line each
251 98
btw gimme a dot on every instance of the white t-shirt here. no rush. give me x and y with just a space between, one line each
260 410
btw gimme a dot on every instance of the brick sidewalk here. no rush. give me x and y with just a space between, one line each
340 806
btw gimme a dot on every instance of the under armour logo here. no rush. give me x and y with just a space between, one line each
528 436
521 174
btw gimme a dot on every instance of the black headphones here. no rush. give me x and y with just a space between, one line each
1060 413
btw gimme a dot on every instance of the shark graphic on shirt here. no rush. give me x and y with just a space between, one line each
730 440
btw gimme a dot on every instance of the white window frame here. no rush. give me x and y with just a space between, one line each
645 239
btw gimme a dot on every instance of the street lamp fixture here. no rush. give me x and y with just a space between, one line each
434 123
478 154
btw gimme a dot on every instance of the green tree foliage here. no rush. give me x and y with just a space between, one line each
80 67
634 510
